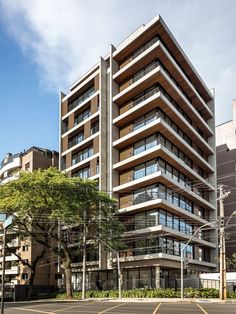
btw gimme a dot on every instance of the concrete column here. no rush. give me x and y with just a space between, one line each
158 279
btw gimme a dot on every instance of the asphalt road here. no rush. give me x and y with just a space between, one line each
96 307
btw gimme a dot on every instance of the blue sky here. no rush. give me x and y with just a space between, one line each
29 114
45 45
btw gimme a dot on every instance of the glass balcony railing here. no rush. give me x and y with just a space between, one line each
75 141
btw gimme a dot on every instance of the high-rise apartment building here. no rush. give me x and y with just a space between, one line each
226 175
141 123
17 273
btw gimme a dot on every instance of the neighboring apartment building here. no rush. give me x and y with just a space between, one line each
32 159
141 123
226 175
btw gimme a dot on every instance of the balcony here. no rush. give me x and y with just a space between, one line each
158 75
148 102
11 164
164 230
165 180
161 127
14 270
157 48
76 141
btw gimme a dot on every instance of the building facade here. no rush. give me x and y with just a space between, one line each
226 175
17 273
141 123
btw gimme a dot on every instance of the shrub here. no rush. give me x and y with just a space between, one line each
150 293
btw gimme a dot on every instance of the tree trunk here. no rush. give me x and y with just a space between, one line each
68 275
31 284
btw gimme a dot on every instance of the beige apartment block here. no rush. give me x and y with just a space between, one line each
16 273
141 122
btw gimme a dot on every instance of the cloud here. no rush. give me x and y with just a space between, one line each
64 38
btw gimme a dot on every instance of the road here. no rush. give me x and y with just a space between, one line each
100 307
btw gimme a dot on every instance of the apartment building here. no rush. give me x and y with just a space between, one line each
226 175
17 273
141 123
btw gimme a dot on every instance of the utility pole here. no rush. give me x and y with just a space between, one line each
84 258
223 287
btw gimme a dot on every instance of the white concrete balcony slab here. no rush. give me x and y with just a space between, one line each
156 203
163 230
14 164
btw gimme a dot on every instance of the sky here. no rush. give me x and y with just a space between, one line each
46 45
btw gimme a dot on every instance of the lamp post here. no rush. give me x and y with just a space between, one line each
182 254
118 263
6 224
223 288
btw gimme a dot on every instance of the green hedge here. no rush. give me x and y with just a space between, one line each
150 293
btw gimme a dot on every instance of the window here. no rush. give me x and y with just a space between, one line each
82 116
151 167
152 218
25 248
139 171
89 92
24 276
27 166
139 123
162 217
151 142
139 147
139 196
140 221
95 127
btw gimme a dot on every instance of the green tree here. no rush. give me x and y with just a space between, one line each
40 200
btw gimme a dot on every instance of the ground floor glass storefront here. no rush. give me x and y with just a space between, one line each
132 278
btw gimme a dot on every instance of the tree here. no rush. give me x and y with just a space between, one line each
41 199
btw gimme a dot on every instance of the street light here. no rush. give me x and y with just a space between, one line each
222 257
182 253
118 263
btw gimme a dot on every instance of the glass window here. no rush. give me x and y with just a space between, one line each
169 221
169 195
176 199
150 116
139 171
162 191
175 175
151 192
139 196
161 164
170 246
182 226
139 221
168 170
151 246
176 248
162 217
176 223
151 167
182 202
182 179
139 147
151 142
139 123
188 205
152 218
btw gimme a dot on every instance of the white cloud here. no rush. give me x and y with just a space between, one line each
65 37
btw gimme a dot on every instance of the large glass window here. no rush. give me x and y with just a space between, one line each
151 167
139 196
152 218
139 171
139 147
151 142
140 221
